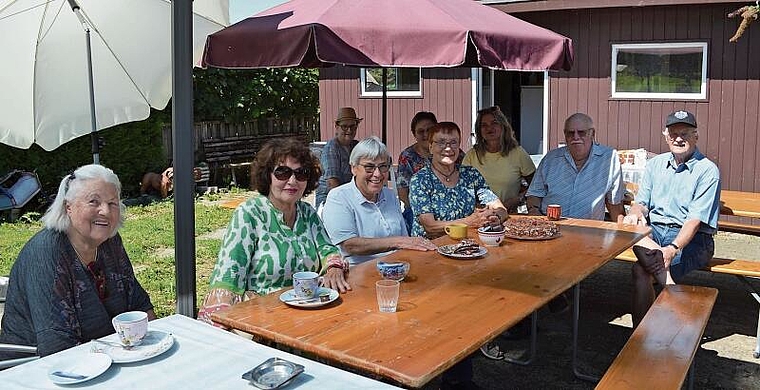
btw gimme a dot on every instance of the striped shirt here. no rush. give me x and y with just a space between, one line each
581 194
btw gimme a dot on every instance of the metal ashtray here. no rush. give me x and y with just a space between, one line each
273 373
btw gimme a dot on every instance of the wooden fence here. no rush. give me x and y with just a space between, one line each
308 127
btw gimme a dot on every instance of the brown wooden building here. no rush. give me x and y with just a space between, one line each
666 54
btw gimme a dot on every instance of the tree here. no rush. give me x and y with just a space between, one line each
243 95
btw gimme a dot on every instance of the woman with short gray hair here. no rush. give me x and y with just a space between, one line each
73 276
363 217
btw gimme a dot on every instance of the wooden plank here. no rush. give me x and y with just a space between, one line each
660 351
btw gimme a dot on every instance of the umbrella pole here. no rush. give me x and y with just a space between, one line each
93 120
94 132
385 106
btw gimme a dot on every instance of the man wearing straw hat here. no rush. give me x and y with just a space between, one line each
336 169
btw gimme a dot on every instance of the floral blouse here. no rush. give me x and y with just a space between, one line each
260 253
410 162
428 195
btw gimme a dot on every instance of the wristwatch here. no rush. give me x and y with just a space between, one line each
676 247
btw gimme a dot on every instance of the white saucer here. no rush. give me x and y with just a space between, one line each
289 298
89 365
155 343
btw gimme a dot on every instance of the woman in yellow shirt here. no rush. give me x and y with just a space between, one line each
506 166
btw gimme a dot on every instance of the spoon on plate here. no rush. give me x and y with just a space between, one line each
321 298
68 375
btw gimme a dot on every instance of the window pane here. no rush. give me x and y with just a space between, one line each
659 70
666 70
399 80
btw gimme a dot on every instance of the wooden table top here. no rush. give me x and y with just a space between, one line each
447 307
742 204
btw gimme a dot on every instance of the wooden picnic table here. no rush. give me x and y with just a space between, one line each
448 308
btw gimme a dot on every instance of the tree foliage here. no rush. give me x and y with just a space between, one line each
237 96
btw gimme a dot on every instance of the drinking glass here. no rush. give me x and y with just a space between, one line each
387 295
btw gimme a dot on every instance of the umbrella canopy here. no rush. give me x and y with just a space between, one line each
44 74
398 33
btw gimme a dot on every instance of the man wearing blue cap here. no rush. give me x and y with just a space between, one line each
679 197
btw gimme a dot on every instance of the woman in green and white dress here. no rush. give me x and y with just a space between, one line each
274 234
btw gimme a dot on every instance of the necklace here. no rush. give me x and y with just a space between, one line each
445 176
98 276
81 258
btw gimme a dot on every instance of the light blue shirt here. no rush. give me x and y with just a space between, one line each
676 193
348 214
580 193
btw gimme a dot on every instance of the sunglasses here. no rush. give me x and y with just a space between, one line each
284 173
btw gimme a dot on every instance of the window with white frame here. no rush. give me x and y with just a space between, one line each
675 70
401 81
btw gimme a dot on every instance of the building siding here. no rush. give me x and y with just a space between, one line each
445 92
728 117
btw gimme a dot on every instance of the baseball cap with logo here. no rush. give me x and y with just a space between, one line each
681 116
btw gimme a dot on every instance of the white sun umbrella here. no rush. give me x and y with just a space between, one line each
46 97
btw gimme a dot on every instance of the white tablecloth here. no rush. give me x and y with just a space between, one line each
203 357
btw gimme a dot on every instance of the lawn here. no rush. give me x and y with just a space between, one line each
148 235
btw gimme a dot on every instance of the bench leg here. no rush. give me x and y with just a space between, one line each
533 337
755 295
576 314
234 180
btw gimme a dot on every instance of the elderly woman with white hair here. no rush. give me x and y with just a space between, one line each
363 217
73 276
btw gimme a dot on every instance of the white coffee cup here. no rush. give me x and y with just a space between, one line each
131 327
306 284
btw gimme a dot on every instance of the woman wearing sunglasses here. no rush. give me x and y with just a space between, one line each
363 216
274 234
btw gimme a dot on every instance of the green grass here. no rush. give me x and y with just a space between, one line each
148 235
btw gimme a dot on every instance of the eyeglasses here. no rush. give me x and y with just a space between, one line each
285 173
370 168
446 144
349 128
580 133
683 134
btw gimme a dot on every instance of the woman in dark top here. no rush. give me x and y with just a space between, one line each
74 276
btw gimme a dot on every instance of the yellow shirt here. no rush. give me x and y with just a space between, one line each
502 173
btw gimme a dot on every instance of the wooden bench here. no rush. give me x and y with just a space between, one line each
660 351
237 151
742 204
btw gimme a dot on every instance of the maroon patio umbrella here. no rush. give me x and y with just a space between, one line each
387 33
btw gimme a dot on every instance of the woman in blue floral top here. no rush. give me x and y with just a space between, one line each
414 158
445 192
